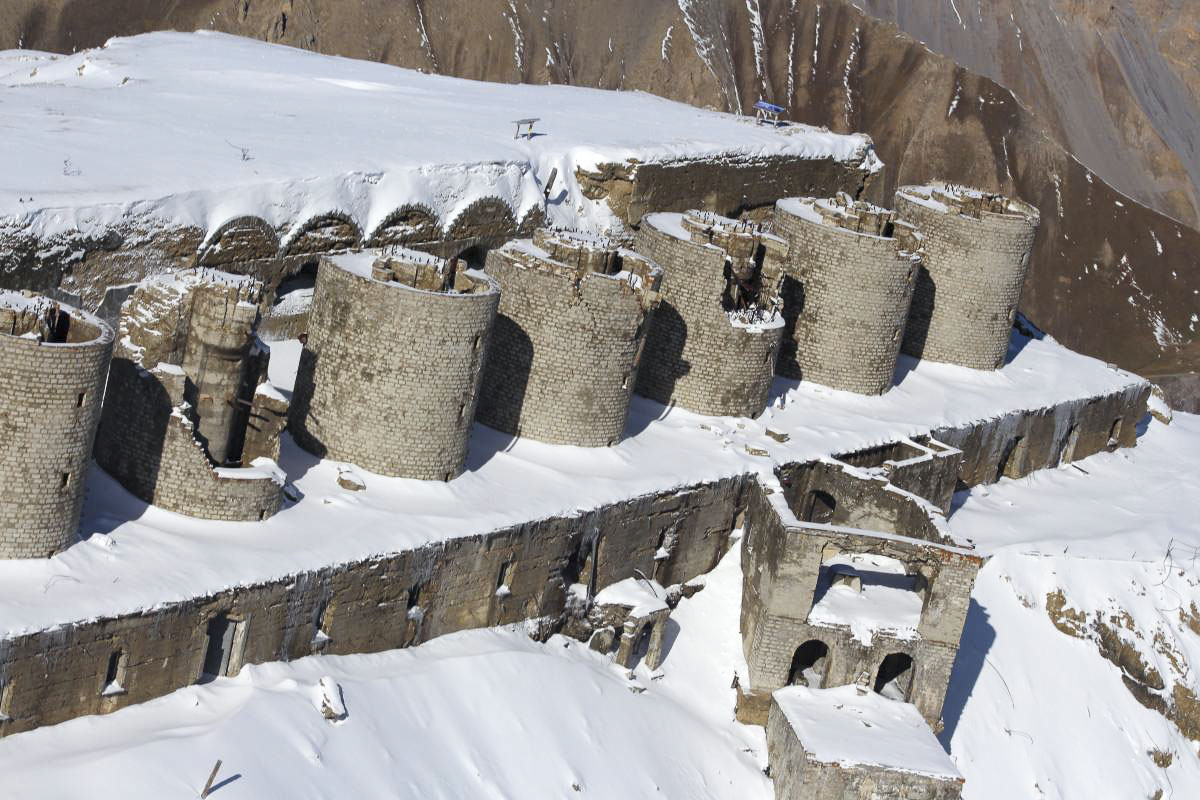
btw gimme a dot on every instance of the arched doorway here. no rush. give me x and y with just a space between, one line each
808 664
894 679
818 507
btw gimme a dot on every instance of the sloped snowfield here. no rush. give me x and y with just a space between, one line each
1032 712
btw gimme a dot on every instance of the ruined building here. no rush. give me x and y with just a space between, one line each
850 580
846 291
53 360
189 423
975 253
564 356
714 339
389 376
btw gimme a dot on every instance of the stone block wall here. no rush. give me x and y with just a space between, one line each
799 775
702 351
148 442
846 293
921 465
564 354
53 362
727 186
975 254
389 377
376 604
182 397
782 559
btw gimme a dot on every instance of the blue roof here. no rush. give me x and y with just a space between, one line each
765 106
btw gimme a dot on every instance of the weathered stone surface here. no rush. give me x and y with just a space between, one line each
846 292
715 336
975 251
389 377
565 352
53 361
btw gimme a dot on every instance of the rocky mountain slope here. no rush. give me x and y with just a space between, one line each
1101 132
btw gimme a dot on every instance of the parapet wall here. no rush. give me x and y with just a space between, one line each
184 425
727 186
846 293
53 360
389 376
410 596
705 350
975 254
564 356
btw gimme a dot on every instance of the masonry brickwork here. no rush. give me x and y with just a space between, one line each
389 376
674 535
564 355
975 254
185 425
799 774
846 292
786 554
53 361
715 336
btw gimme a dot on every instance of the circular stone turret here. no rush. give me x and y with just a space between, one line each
389 377
714 339
846 292
53 362
564 357
975 253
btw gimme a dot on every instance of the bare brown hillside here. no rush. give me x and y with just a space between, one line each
1112 277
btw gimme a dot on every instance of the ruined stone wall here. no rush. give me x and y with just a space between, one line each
181 400
367 606
390 375
1020 442
728 186
924 466
846 294
696 356
147 441
50 395
564 354
974 261
799 775
863 500
782 562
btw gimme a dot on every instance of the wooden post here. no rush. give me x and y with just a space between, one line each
211 777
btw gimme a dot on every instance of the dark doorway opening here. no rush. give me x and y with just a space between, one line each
808 664
818 507
216 652
894 679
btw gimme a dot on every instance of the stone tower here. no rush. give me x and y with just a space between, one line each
189 423
389 377
846 292
976 249
53 360
713 342
564 357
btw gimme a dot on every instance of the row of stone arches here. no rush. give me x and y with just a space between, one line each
893 678
250 238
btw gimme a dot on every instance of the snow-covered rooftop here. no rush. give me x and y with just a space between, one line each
841 726
199 128
886 601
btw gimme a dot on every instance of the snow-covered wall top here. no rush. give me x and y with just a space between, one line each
199 128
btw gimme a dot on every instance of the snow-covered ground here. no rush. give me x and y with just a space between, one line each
199 128
1031 713
139 557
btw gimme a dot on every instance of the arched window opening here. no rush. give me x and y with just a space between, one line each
808 664
894 679
818 507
